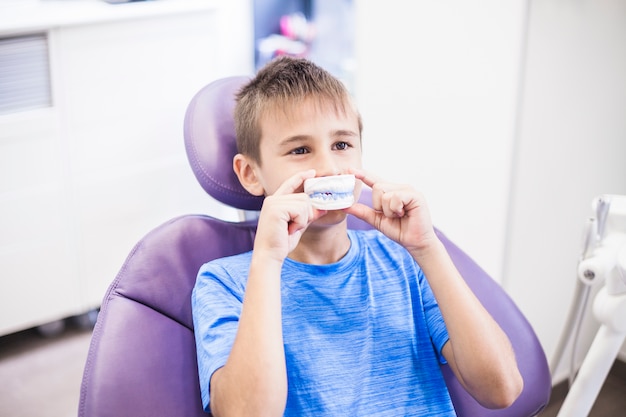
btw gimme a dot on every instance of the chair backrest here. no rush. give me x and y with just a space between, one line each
142 359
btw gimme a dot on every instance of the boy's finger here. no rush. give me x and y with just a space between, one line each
378 186
364 213
292 184
367 178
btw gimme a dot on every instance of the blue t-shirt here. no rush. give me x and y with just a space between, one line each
362 336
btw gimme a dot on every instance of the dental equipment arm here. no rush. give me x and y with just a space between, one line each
603 262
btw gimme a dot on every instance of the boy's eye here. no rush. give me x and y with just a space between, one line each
342 146
299 151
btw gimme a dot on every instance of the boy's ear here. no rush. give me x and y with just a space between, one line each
245 170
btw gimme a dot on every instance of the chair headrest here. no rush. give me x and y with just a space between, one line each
210 143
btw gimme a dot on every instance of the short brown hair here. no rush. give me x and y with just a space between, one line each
280 84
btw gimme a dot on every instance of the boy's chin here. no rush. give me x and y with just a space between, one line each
331 217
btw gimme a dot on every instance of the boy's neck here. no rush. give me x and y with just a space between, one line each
322 246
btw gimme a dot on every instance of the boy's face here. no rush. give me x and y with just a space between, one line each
307 136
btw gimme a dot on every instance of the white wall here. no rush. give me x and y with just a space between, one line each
437 85
509 116
571 148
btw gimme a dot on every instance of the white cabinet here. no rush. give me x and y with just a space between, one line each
83 180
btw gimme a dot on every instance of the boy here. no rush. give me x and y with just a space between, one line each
319 320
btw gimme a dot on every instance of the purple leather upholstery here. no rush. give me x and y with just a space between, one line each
142 359
210 143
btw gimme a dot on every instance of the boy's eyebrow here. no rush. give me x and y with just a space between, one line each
293 139
343 132
290 140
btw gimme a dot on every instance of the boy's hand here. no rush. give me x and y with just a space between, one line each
285 215
398 211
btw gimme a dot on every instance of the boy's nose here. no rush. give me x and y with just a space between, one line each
326 165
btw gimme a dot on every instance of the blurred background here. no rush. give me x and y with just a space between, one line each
508 114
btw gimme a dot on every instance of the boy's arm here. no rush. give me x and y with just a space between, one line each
478 351
253 382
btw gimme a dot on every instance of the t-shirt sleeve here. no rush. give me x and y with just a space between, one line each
216 306
434 319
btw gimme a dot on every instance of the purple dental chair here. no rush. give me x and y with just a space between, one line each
142 358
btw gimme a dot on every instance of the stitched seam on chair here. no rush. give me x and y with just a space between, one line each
98 330
161 312
113 288
96 335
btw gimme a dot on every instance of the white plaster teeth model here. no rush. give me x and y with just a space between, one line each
334 192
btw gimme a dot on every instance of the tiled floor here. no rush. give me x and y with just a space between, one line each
40 377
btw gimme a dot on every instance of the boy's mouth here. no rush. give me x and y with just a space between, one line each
334 192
